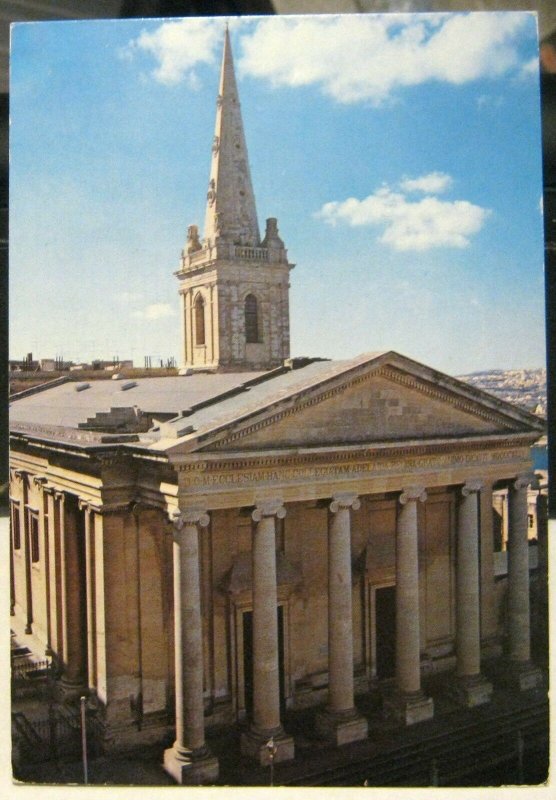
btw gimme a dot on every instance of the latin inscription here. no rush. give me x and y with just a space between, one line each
242 477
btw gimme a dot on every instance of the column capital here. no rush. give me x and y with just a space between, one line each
268 508
344 500
411 493
39 480
190 516
472 486
523 481
58 495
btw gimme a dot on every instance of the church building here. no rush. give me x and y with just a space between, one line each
260 532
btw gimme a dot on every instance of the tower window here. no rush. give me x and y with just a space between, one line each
199 320
251 319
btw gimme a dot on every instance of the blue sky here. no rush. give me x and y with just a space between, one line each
400 153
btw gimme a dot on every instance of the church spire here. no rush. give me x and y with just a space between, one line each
234 286
231 215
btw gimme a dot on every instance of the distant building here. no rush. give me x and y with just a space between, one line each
286 533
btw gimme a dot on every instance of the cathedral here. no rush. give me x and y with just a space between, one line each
263 533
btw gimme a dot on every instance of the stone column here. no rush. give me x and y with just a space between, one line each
74 675
266 723
47 492
521 673
340 721
540 612
490 645
409 704
471 688
26 547
90 593
189 761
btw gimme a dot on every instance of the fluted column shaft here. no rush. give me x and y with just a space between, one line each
408 671
188 643
266 677
340 625
518 573
468 637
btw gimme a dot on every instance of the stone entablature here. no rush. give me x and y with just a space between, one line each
225 481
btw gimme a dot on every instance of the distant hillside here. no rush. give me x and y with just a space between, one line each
523 387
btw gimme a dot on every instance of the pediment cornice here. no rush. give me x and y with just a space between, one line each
486 408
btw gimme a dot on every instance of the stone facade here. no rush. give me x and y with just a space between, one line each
308 548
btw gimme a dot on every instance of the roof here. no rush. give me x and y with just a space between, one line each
194 409
66 406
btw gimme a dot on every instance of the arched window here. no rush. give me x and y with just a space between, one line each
199 320
251 319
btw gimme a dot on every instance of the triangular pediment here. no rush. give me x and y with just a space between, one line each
386 398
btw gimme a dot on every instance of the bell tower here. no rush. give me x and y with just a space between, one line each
234 287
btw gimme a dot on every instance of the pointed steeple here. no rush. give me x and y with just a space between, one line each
231 215
234 287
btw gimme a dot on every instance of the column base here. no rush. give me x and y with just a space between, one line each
522 676
341 727
408 708
473 690
189 768
68 691
254 745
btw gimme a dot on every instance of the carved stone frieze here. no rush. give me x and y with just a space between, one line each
236 473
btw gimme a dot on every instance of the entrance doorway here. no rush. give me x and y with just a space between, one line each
248 660
385 631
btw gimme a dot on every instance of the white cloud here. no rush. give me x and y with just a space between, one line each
433 183
410 225
531 67
177 48
155 311
367 57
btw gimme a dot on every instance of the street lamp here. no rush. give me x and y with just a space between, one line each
272 750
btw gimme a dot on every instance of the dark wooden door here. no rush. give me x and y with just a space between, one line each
385 599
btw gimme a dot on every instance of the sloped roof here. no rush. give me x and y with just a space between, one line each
207 407
64 405
286 391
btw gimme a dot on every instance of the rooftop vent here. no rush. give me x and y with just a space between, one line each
302 361
129 385
82 386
